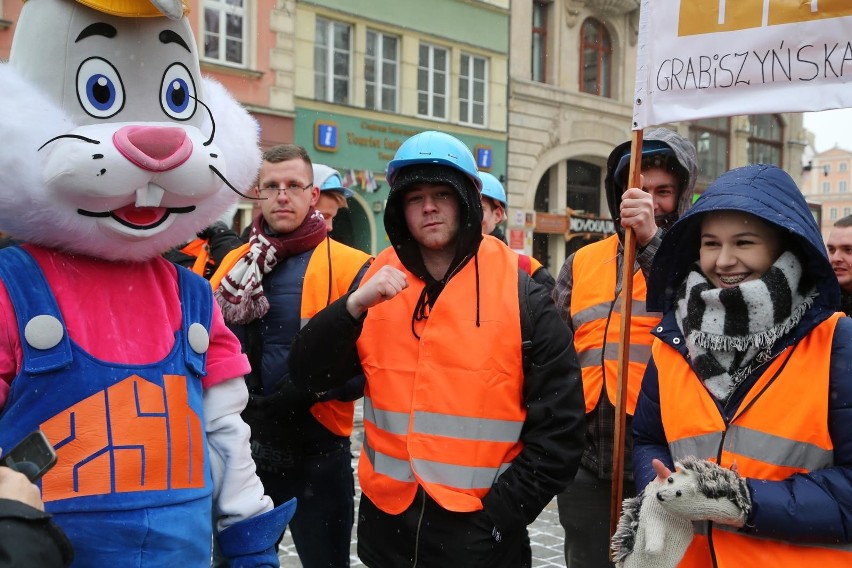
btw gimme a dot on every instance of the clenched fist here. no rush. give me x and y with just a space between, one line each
386 283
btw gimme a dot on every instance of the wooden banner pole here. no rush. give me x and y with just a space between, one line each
628 260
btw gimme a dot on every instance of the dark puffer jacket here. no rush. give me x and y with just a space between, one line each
816 507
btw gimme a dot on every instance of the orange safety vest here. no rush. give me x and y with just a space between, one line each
777 432
445 411
199 249
323 284
528 264
596 319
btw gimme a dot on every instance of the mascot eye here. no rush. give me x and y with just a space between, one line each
99 88
177 93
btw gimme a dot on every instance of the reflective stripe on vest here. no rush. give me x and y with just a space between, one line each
779 429
596 319
445 411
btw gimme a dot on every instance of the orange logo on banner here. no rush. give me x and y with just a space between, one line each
709 16
134 436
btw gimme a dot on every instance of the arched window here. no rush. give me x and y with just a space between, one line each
765 145
596 59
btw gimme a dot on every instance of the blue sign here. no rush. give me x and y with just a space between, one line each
484 157
325 136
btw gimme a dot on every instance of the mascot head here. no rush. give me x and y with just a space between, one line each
114 145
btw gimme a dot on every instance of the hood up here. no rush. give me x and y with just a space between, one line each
658 140
470 212
762 190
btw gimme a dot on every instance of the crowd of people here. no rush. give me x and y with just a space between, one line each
488 389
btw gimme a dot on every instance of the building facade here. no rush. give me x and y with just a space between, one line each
540 90
571 81
373 73
827 181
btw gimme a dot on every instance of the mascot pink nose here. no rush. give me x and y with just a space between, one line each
153 148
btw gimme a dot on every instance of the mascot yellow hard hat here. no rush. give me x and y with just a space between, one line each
173 9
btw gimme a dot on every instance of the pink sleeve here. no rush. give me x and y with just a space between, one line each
10 347
225 359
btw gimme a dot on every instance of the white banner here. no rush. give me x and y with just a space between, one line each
708 58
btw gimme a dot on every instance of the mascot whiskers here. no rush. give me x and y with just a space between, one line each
115 150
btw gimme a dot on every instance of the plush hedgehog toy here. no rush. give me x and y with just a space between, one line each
115 150
655 527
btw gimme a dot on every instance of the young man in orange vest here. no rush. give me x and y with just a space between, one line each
473 411
289 270
587 296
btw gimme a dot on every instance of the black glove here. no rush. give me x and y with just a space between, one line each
285 405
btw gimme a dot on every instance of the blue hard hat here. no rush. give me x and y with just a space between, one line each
491 187
433 147
328 179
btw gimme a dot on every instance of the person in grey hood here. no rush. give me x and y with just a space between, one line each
473 409
587 297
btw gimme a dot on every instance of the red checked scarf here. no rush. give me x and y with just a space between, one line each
240 294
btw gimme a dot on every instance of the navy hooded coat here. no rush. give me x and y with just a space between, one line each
813 507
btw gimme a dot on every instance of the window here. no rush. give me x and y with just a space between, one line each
710 136
539 42
832 214
225 34
332 56
765 142
847 211
381 65
842 166
826 187
473 85
826 168
841 187
433 72
596 58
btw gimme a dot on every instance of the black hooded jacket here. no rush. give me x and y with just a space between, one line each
551 385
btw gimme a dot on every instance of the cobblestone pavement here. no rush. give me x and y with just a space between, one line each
546 536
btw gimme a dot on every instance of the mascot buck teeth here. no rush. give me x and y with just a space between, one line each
115 150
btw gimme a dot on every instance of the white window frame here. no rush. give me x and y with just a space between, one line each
842 167
826 187
467 101
841 186
832 214
324 74
225 10
432 77
381 82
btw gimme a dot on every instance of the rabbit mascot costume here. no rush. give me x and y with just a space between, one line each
115 149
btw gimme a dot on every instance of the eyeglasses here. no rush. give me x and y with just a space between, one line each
291 190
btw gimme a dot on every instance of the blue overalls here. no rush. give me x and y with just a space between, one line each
132 483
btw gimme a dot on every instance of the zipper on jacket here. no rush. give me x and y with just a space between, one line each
724 409
422 492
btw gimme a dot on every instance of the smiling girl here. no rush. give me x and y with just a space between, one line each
750 368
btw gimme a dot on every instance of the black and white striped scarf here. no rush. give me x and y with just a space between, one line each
731 331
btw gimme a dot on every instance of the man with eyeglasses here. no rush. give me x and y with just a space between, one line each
268 289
